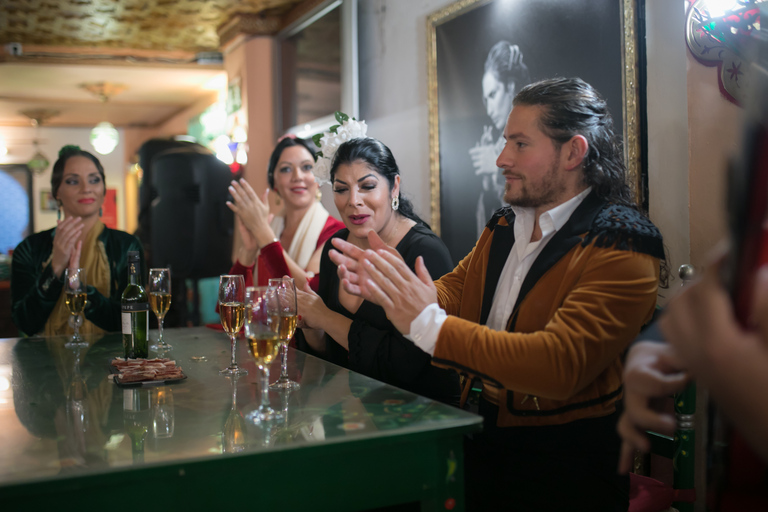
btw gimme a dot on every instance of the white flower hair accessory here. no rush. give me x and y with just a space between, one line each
329 142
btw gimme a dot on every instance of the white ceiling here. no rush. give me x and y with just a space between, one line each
153 94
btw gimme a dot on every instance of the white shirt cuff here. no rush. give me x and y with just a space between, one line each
426 327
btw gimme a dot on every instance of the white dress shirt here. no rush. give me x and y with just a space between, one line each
425 328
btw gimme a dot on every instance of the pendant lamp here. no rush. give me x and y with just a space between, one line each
39 162
104 137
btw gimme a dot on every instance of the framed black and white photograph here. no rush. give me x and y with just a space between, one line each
480 54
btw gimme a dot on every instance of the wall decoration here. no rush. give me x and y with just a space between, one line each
720 38
47 201
595 40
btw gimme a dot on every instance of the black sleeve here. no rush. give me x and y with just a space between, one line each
429 246
34 291
385 354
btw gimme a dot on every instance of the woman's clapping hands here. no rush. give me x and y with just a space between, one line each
67 245
252 211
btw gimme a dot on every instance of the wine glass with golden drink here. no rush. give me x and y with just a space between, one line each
286 298
261 329
159 288
231 312
76 297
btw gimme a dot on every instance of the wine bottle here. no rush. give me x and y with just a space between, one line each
135 311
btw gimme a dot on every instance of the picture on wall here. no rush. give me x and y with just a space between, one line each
480 54
47 201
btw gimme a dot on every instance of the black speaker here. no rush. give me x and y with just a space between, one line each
191 228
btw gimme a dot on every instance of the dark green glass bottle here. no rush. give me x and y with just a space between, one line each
137 420
135 311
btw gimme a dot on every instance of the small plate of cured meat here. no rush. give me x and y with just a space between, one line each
144 372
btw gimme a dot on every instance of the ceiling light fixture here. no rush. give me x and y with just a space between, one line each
104 136
39 162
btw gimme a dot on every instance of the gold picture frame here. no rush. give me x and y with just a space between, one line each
457 18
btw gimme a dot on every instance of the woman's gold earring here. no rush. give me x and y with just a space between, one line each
319 194
277 200
395 203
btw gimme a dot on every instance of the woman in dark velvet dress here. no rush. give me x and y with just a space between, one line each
346 329
81 240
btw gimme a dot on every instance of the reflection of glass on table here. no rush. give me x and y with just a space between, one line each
163 417
233 436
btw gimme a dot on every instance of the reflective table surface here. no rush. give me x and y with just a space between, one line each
342 441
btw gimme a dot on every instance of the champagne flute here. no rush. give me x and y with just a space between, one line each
76 297
261 326
286 297
231 312
159 289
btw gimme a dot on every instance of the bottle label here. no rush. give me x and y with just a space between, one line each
126 318
134 307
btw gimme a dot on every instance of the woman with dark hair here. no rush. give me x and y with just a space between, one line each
80 240
303 227
346 329
505 73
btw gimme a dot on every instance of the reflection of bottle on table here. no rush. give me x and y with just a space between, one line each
137 419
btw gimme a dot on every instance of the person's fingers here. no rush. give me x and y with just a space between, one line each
394 267
652 382
339 258
233 207
74 259
376 242
648 419
344 273
632 435
265 196
422 272
248 189
383 278
240 196
375 294
353 289
626 458
672 366
347 249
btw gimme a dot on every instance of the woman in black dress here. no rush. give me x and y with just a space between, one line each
346 329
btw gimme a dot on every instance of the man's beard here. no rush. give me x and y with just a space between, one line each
547 191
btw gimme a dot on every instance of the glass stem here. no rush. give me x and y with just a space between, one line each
264 378
160 331
284 369
77 326
233 341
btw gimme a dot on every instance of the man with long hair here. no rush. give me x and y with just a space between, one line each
542 308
